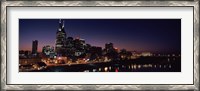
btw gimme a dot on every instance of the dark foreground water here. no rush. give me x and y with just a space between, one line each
144 64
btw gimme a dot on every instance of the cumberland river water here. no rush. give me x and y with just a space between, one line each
144 64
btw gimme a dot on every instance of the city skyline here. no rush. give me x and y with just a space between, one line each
154 35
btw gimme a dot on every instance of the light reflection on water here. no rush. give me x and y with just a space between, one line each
94 70
110 68
170 66
135 66
167 65
106 69
139 66
131 67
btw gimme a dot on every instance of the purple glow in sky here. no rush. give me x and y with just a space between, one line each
154 35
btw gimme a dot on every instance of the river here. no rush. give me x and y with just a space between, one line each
144 64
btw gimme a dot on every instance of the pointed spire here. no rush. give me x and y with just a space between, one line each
59 20
60 25
63 25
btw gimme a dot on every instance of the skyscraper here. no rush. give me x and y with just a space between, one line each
109 47
60 47
34 47
48 51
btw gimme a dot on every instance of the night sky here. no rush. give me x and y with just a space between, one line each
154 35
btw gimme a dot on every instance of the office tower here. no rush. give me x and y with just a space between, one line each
60 47
34 47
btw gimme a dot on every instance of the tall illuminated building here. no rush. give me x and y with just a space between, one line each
60 47
34 47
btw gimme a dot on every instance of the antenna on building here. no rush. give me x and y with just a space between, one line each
59 20
63 24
